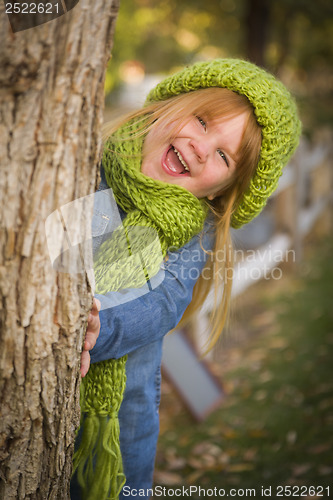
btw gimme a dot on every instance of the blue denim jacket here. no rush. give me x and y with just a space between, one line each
134 322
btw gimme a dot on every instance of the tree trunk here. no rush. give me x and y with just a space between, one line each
51 111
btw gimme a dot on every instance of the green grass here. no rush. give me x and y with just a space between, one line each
276 424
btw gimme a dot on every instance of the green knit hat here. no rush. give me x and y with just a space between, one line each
275 110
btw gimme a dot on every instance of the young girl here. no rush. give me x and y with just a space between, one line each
204 154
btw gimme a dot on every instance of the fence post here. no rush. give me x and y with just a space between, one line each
299 195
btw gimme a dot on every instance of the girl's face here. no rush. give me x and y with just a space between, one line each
202 157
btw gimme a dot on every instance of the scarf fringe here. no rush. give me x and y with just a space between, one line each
98 461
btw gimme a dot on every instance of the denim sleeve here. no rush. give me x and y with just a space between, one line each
149 317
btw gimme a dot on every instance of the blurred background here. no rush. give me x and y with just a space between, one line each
291 38
273 424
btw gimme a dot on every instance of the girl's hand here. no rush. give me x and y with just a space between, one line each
92 333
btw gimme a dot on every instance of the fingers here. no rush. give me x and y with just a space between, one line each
85 363
93 328
95 307
90 340
94 323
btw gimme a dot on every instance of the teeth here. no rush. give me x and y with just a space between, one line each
181 159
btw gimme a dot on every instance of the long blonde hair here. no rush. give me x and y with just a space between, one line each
169 116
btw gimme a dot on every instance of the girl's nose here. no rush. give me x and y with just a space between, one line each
200 148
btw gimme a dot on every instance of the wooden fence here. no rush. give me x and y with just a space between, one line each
302 202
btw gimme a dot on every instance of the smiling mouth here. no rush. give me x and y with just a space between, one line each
173 162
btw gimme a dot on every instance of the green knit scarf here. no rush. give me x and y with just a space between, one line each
128 258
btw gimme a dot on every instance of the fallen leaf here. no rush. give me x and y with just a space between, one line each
325 404
320 448
250 454
229 433
176 463
325 470
291 437
231 452
184 440
257 354
265 377
264 319
278 343
195 463
193 477
323 388
299 470
208 461
223 459
167 478
257 433
260 395
239 467
206 447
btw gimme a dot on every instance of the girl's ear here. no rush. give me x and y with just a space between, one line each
211 197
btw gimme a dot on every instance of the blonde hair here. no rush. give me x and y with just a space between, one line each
168 117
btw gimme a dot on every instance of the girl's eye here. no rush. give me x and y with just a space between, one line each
223 156
202 122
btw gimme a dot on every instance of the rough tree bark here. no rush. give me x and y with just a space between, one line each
51 106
